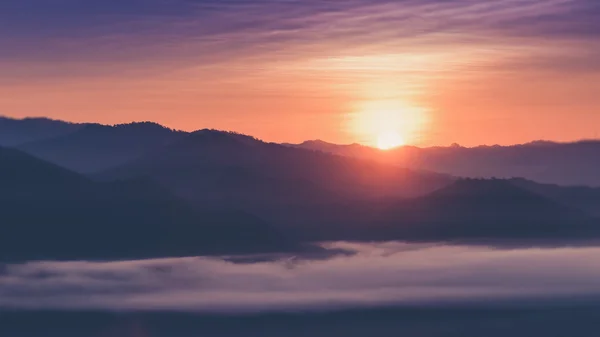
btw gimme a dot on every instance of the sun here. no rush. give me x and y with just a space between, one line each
387 124
389 140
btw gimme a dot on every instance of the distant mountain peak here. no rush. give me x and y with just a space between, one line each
316 142
219 135
128 127
321 142
96 126
321 145
144 124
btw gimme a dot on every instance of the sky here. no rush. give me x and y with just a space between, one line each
377 72
373 275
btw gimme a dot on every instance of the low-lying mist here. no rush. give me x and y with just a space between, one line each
369 275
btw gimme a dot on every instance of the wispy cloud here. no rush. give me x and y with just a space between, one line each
340 40
201 29
324 58
378 274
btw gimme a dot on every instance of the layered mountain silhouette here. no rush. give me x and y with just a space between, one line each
212 167
468 209
582 197
479 208
151 191
88 148
352 150
96 147
546 162
14 132
47 212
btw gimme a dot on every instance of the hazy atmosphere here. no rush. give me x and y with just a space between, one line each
267 168
368 275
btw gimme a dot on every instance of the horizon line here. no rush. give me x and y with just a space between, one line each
455 144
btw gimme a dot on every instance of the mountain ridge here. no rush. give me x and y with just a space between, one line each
52 213
202 154
568 163
468 209
14 131
96 147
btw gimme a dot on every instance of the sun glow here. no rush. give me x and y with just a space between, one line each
388 124
389 140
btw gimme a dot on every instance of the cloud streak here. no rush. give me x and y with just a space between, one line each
377 275
113 30
274 40
175 61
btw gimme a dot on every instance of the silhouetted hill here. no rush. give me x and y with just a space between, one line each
98 147
546 162
47 212
488 209
469 209
319 196
18 131
24 175
319 145
211 166
582 197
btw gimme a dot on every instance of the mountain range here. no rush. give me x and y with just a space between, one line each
48 212
88 148
210 166
142 190
467 209
95 147
541 161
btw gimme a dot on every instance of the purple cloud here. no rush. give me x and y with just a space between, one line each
209 30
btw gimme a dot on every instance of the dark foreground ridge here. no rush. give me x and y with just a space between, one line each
48 212
468 209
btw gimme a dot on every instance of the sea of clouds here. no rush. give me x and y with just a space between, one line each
371 275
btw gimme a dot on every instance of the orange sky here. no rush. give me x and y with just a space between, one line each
431 72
